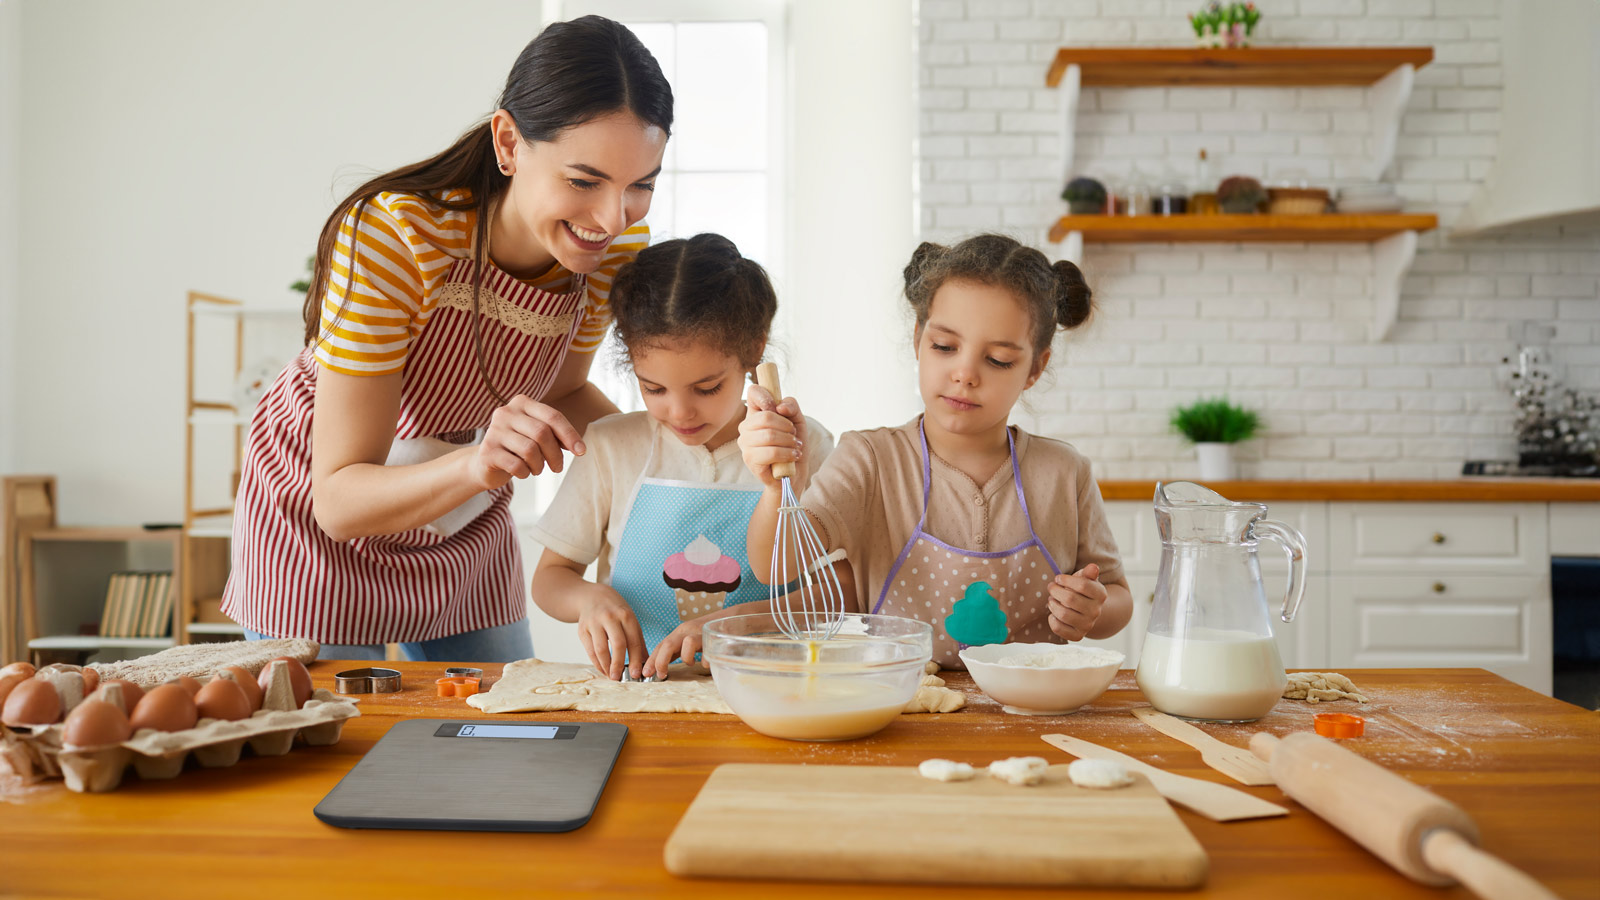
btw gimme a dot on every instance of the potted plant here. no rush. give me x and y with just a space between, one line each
1240 194
1084 196
1214 426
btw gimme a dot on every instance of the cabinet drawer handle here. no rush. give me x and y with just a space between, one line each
1438 538
1438 587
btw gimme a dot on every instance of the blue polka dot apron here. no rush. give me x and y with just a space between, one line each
971 597
682 552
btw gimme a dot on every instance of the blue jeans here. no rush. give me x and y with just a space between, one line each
500 644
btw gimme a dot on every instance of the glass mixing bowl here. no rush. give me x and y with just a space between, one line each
849 686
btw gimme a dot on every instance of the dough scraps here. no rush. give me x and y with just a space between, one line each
1098 773
1021 770
534 685
945 770
933 697
1315 687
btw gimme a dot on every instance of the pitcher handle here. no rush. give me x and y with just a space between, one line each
1294 544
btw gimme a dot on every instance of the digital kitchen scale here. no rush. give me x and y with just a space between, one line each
440 775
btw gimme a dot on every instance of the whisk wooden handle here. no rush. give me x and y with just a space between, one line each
767 377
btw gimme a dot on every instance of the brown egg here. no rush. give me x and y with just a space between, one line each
299 679
131 693
33 702
166 708
91 680
220 698
243 678
9 682
26 668
192 685
96 723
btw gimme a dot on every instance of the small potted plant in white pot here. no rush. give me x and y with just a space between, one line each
1214 426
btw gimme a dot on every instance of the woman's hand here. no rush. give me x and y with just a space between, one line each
1075 602
524 437
772 432
684 641
610 634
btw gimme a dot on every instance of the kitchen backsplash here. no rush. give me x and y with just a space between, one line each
1282 328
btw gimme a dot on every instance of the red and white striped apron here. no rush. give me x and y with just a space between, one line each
289 579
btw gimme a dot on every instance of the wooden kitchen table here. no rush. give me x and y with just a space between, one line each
1525 766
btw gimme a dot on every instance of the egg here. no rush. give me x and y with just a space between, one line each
192 685
299 679
220 698
96 723
25 668
243 678
9 682
91 680
131 693
166 708
33 702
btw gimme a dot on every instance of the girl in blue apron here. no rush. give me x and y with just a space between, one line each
662 498
988 533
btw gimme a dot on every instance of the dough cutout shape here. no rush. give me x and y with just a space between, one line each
1316 687
1099 773
535 685
945 770
1020 770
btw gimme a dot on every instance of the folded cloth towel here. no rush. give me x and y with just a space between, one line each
413 451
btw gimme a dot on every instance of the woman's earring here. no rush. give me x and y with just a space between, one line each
505 168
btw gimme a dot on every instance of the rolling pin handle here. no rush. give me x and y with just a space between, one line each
1263 745
1448 853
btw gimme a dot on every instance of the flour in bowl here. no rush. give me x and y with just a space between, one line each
1067 657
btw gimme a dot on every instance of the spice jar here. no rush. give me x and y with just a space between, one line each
1171 199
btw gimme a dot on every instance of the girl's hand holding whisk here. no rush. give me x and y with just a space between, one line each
772 432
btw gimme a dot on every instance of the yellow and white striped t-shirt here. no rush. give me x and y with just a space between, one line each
407 245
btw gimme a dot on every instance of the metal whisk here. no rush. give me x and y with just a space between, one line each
807 600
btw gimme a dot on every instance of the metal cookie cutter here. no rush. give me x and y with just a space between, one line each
367 681
463 672
627 676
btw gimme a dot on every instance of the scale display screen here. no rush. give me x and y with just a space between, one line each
538 732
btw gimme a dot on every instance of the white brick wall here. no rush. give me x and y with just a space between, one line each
1281 328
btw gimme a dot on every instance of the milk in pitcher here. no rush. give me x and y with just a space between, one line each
1212 674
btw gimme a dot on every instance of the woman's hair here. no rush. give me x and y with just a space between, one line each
695 289
1054 295
571 73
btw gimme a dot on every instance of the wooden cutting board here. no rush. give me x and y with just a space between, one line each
887 823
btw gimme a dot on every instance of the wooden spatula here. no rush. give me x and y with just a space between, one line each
1217 802
1235 762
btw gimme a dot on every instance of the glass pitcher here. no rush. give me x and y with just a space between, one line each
1209 653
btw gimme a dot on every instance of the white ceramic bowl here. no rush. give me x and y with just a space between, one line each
1033 690
849 686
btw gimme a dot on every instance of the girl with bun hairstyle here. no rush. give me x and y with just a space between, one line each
662 499
986 532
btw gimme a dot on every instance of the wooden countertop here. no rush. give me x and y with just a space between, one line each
1509 490
1526 767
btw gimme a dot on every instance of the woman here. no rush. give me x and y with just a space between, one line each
453 315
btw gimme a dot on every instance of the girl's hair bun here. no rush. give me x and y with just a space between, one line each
1074 301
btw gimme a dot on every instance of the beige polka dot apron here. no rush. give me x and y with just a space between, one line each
971 597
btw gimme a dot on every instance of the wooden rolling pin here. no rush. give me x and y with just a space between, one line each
1426 837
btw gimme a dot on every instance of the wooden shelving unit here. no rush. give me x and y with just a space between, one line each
1387 72
1248 66
1331 228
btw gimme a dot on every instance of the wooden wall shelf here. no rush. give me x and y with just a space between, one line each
1249 66
1245 228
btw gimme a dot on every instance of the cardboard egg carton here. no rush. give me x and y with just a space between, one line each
214 743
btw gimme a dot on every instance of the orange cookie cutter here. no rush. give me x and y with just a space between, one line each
1339 725
457 686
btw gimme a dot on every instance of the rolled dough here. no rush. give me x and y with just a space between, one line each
534 685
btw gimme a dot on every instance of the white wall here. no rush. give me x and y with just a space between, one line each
10 219
172 145
1280 327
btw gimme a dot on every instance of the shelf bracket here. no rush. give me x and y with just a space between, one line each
1391 259
1071 82
1389 97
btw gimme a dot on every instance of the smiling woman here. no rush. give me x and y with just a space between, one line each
454 311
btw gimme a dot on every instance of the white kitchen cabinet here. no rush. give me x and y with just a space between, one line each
1497 622
1575 529
1448 538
